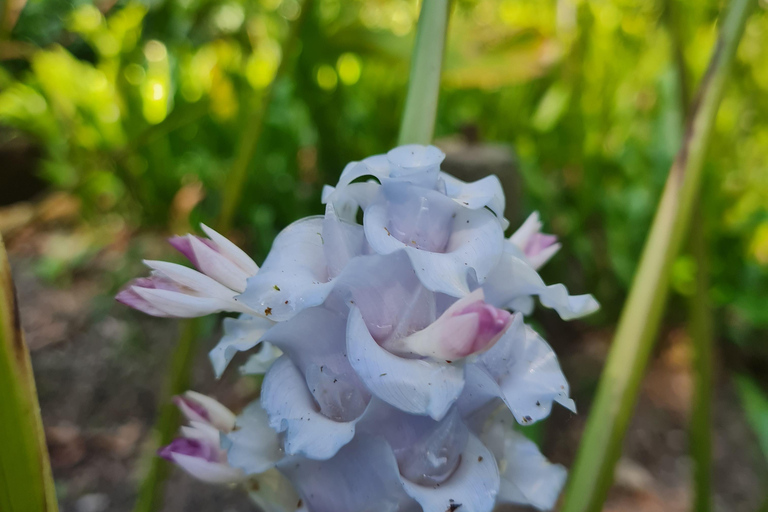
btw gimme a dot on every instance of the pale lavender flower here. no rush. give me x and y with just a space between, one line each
396 351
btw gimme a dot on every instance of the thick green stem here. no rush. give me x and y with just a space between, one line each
418 121
236 179
153 484
600 448
26 483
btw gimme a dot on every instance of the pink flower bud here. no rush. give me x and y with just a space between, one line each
469 326
537 247
199 408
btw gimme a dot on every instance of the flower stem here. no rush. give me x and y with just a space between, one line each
153 484
619 385
700 329
26 482
418 122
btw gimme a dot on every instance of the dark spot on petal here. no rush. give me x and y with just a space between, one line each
268 311
299 504
286 302
277 288
448 361
383 374
388 233
480 458
527 419
538 404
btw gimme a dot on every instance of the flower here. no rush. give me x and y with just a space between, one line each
537 248
198 451
395 351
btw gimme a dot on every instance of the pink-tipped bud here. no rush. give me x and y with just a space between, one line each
537 247
199 408
469 326
199 455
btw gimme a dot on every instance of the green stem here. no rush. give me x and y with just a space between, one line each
418 122
600 448
701 329
153 484
700 325
26 483
236 179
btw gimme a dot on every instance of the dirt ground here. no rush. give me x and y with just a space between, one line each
100 368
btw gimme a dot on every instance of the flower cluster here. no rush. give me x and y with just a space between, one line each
396 354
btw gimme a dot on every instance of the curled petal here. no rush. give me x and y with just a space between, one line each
527 477
240 334
253 446
524 373
292 410
342 241
513 279
362 477
315 342
472 487
412 385
477 194
449 246
427 451
294 275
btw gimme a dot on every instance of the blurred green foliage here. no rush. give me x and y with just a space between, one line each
138 104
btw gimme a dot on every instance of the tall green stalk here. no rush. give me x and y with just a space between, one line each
26 483
418 122
600 448
700 325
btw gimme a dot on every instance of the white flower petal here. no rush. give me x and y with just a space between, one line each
182 305
192 279
219 416
275 493
472 487
254 446
232 251
362 477
527 373
514 278
527 477
412 385
240 334
211 472
294 275
292 410
457 246
342 241
477 194
260 362
217 266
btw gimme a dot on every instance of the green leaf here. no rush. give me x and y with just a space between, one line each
26 483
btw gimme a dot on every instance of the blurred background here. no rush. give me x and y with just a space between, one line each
123 122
